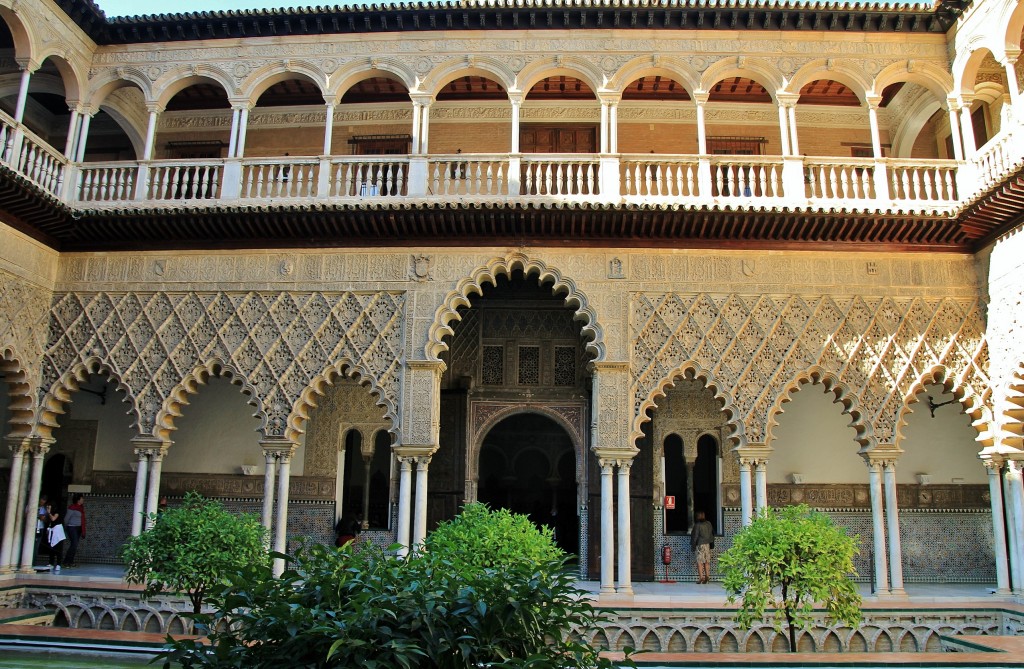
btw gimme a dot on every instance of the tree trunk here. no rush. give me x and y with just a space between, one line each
789 617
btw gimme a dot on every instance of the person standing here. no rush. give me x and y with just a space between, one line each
42 522
74 524
55 537
702 540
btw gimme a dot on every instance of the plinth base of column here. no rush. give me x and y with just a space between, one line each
624 591
607 589
999 592
898 593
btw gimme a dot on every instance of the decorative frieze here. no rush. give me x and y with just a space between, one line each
175 484
938 497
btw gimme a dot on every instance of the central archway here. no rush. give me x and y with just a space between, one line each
528 466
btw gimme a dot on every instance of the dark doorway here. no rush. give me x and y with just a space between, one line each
56 478
677 519
528 466
705 480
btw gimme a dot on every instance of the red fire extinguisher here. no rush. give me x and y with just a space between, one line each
666 554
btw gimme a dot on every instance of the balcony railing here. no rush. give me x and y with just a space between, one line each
811 182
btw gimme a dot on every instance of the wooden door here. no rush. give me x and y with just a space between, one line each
558 139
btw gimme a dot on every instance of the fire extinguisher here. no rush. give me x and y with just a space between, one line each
666 554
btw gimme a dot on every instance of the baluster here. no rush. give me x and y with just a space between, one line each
176 183
915 184
337 169
120 177
86 189
905 183
543 179
629 180
210 189
389 177
948 180
489 179
434 182
931 186
102 185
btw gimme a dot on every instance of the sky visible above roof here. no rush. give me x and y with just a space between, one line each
114 8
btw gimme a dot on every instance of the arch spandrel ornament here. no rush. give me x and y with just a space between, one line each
278 342
23 332
575 299
754 346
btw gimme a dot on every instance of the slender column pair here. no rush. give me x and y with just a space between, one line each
278 458
888 564
149 455
239 127
10 547
608 524
421 124
994 469
408 518
759 466
1013 493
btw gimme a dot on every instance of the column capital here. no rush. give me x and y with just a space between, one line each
966 100
991 461
873 101
422 462
882 456
413 451
241 104
953 104
1013 469
615 455
155 108
1010 56
516 97
700 98
16 444
609 97
26 64
787 99
424 99
278 447
330 100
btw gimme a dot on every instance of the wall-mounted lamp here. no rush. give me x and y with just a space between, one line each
924 479
932 405
796 479
134 464
249 470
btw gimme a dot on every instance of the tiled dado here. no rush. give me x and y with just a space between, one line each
311 488
856 495
109 522
938 546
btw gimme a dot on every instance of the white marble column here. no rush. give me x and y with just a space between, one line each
995 492
967 128
1009 64
613 127
236 113
517 105
760 485
878 528
19 518
404 498
892 522
876 139
420 517
69 145
953 108
243 128
139 501
19 107
329 129
31 507
784 130
83 137
700 100
745 502
794 138
603 130
607 529
425 131
284 476
417 110
625 583
156 463
1015 502
154 115
269 475
13 510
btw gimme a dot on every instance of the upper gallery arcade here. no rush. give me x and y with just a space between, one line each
567 258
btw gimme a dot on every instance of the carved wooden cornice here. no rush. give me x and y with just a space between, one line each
513 15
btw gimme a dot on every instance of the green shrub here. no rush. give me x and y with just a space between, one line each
791 560
191 548
479 538
360 606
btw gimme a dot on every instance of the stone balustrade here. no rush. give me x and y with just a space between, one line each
938 187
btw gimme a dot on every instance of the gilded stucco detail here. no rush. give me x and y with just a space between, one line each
278 342
756 346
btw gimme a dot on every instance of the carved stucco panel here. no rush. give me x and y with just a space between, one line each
755 345
277 341
345 406
23 332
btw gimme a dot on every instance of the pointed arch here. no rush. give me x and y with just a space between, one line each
352 73
179 78
59 394
671 67
574 298
690 370
19 393
552 66
816 375
301 409
487 67
263 78
177 398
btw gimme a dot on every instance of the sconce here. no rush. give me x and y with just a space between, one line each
134 464
924 479
249 470
796 479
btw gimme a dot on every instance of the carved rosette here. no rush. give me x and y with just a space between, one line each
278 342
756 347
